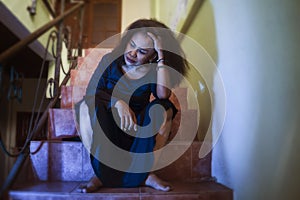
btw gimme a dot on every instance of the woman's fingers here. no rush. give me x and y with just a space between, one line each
157 44
132 123
127 116
156 41
128 122
153 37
135 127
122 122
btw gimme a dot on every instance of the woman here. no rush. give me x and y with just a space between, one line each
146 62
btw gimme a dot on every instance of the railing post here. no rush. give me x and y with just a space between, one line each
22 157
8 54
59 49
33 36
1 79
15 170
80 31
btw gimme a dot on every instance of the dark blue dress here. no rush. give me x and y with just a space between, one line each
107 85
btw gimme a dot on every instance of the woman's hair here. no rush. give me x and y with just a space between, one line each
173 54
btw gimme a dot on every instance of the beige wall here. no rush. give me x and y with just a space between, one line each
258 56
9 123
202 52
133 10
8 112
32 23
255 45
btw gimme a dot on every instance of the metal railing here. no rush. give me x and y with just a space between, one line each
190 18
6 55
36 34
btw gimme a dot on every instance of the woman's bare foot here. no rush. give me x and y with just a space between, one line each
93 185
156 183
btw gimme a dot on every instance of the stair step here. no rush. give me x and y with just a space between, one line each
80 77
97 50
60 161
74 93
92 58
67 191
61 124
71 95
184 125
69 161
179 98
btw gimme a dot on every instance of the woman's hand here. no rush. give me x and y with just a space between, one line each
163 78
127 116
157 43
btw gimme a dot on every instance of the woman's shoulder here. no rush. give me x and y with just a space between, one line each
109 60
111 57
106 59
110 65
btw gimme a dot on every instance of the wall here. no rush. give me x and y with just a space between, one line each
32 23
258 56
202 50
10 108
5 105
9 121
255 45
133 10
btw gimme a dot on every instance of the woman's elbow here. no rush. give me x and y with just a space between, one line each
164 94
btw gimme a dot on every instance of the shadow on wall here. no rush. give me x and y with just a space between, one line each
202 55
4 121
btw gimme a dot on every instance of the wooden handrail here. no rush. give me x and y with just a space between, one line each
4 57
22 157
33 36
190 18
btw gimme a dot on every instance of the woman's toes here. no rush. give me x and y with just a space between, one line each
156 183
81 188
87 188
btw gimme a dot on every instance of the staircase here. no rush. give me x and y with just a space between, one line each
61 164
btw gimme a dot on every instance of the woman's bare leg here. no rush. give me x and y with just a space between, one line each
161 139
93 185
152 180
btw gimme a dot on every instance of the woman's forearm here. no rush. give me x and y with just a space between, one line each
163 80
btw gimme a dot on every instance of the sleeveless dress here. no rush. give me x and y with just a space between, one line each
108 87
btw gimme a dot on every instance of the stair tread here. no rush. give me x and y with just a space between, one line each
61 123
206 190
70 161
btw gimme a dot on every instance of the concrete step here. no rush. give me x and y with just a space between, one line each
67 191
70 95
60 161
97 51
86 66
80 77
91 58
62 124
69 161
184 125
74 93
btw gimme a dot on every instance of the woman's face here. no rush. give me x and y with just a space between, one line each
139 50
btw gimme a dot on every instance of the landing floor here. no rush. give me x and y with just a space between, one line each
67 190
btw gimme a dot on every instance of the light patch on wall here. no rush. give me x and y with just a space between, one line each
181 11
201 87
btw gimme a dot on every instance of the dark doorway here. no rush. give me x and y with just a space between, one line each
23 123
